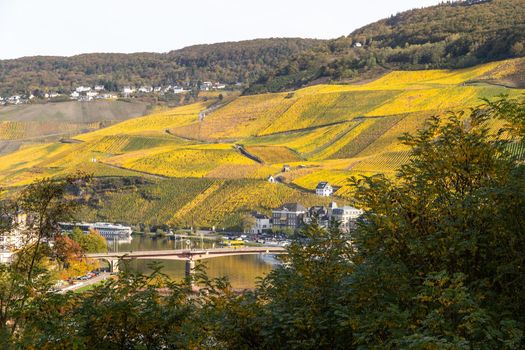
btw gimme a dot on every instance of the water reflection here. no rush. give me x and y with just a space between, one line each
241 270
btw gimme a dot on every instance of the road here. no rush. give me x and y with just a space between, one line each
103 276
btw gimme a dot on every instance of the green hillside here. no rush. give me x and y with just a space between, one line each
210 171
453 34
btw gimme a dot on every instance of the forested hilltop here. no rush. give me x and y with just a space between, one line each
230 63
450 35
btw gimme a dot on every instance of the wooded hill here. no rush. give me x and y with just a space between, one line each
450 35
226 62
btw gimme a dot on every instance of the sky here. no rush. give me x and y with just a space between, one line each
70 27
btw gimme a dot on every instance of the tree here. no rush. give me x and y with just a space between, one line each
44 204
247 222
439 260
92 242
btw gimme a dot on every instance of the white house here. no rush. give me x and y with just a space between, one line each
15 99
207 85
83 89
74 94
271 179
219 86
99 87
347 216
157 89
262 224
324 189
358 44
128 90
178 90
91 94
108 96
146 89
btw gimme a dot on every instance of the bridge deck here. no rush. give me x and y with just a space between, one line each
186 254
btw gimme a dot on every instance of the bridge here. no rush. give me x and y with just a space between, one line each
190 256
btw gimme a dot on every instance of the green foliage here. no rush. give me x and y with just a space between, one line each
43 204
92 242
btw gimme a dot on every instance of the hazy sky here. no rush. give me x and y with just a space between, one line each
68 27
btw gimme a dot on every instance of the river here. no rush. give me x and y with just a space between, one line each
242 270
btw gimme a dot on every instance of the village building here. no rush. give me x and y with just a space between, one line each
288 216
99 87
146 89
108 96
319 212
271 179
206 86
286 168
324 189
83 89
91 94
262 223
127 90
12 240
347 217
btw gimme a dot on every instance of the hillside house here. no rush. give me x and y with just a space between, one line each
91 94
83 89
206 86
288 216
178 90
127 90
108 96
271 179
146 89
99 87
324 189
262 223
74 94
286 168
347 216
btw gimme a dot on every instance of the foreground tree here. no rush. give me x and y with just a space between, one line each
439 260
42 204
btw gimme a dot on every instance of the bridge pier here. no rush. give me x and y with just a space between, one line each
190 268
113 265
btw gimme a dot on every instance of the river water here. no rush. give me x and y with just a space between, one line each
242 270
